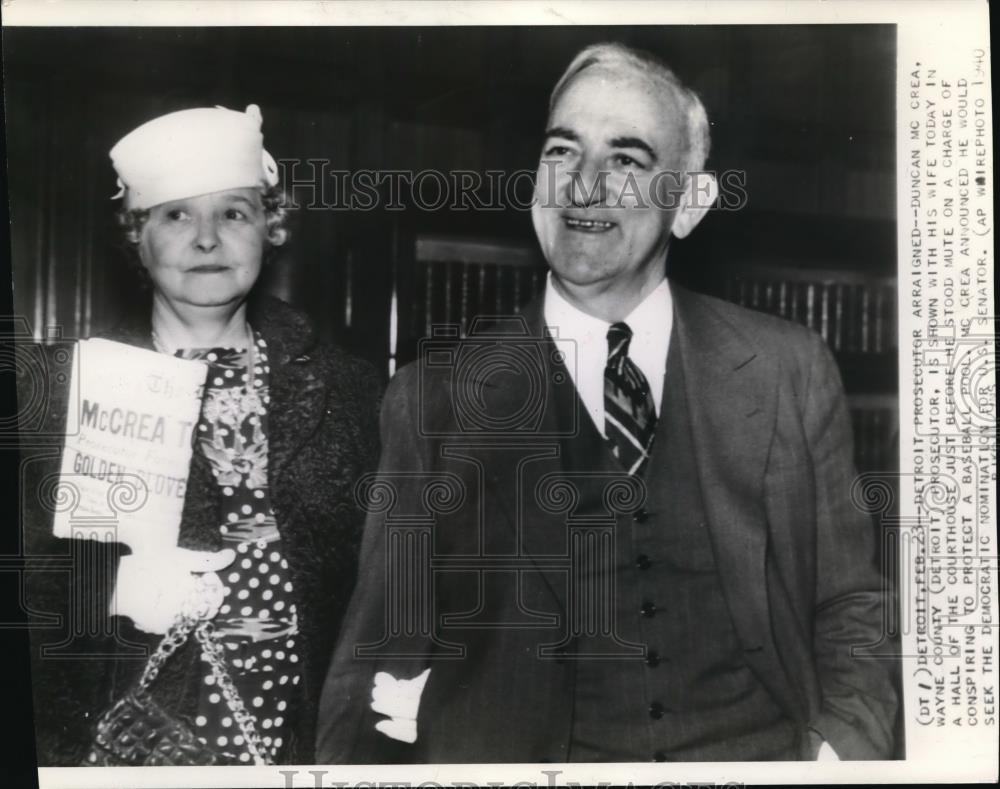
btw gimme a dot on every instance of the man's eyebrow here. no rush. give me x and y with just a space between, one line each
634 142
562 131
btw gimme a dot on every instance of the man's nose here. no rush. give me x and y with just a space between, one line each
588 185
207 237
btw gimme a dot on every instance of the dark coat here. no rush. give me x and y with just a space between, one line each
772 451
322 434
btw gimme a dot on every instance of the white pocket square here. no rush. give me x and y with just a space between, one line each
399 699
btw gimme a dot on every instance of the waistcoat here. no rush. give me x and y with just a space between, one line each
671 683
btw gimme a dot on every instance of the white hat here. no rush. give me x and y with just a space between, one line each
190 153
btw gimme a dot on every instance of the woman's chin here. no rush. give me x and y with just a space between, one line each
210 297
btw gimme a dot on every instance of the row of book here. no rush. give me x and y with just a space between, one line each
852 316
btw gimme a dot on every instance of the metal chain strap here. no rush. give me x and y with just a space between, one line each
196 618
248 727
175 638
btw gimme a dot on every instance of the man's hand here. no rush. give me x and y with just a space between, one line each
153 588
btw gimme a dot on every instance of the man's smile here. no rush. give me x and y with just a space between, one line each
588 225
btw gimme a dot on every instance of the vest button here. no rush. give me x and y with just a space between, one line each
656 710
642 561
640 516
648 609
659 756
652 658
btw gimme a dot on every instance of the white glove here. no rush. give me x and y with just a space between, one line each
153 588
400 700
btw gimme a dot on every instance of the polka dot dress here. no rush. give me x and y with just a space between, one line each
257 622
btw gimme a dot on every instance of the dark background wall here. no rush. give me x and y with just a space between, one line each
806 111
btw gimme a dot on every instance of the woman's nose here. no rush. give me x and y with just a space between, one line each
207 237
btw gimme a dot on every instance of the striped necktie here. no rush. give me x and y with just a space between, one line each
629 408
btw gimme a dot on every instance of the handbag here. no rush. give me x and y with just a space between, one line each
137 731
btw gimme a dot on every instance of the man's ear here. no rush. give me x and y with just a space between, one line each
700 194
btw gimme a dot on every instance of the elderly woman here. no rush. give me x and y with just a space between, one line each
270 527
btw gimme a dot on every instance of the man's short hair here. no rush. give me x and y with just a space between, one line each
615 55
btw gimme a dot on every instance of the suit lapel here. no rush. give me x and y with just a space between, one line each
513 472
732 398
731 391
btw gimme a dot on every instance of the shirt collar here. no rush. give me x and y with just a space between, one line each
571 323
651 323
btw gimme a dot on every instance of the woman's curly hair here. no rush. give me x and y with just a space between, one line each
131 222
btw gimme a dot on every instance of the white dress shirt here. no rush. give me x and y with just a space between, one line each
651 323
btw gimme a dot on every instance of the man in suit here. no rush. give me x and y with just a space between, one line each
620 529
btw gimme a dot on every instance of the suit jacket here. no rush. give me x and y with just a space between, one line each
322 436
773 454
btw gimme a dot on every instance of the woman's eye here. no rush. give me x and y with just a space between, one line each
176 215
235 214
